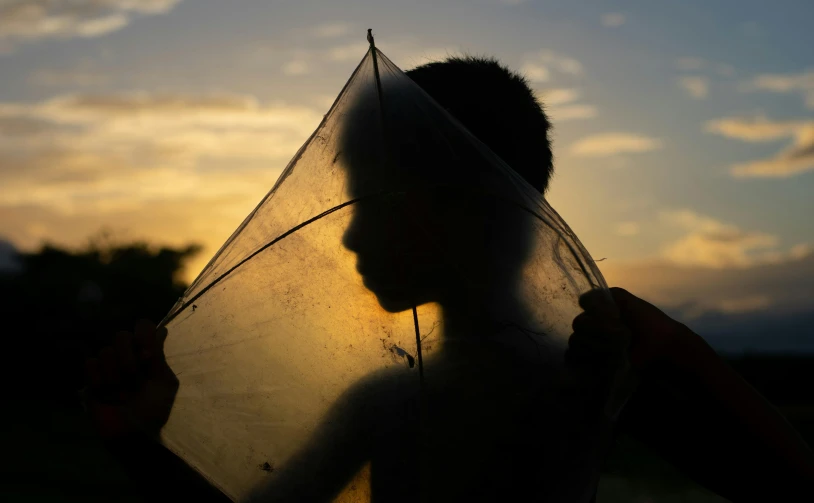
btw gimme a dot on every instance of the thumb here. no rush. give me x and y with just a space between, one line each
633 308
151 340
623 298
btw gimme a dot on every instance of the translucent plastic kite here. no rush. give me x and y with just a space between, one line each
390 323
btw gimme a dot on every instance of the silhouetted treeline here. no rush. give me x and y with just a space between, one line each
787 380
62 305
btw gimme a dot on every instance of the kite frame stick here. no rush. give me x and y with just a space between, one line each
373 52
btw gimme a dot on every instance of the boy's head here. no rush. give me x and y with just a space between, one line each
437 230
498 107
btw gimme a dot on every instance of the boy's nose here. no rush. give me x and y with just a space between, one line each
350 236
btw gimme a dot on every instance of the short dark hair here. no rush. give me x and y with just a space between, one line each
498 107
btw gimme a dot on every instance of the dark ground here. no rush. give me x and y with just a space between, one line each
61 306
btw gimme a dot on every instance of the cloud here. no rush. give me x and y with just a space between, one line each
607 144
535 72
744 304
572 112
800 83
627 229
560 62
560 106
794 159
701 309
725 70
754 130
732 287
513 2
539 66
332 30
788 284
724 248
697 87
801 251
555 97
717 245
94 152
104 105
101 25
32 20
767 306
696 64
323 101
722 307
296 67
690 63
348 52
24 127
613 19
78 77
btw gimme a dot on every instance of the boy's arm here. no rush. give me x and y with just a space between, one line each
700 415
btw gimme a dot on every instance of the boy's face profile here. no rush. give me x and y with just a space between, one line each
426 245
395 254
394 236
435 245
415 242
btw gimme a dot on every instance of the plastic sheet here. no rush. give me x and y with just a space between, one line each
389 323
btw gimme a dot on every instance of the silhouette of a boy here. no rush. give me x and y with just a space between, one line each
483 442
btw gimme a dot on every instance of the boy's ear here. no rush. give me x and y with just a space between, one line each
419 204
426 211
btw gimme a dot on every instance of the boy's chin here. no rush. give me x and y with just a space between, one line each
393 304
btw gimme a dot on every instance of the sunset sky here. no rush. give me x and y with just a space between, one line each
684 131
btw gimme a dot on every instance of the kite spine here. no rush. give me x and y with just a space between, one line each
419 356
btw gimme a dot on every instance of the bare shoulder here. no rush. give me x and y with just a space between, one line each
383 393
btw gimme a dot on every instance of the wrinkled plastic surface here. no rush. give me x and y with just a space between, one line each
305 373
